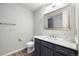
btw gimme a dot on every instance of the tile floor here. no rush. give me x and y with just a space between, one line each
22 53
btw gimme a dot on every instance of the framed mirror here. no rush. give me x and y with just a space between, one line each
58 20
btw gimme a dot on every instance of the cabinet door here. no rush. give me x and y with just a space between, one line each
46 51
37 49
58 54
60 50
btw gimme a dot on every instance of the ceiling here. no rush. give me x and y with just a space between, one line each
32 6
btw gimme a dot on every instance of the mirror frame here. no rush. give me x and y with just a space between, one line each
66 18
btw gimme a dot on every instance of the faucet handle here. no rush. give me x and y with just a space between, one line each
54 36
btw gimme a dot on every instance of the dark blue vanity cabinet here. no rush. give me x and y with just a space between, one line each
37 45
45 51
44 48
63 51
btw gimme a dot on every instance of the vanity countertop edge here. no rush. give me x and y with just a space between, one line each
61 43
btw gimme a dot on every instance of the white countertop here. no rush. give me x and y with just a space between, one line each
58 41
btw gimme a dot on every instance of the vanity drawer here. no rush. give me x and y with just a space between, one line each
47 44
65 51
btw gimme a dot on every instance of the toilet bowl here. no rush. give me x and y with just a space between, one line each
30 47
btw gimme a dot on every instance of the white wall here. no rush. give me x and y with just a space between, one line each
9 35
77 24
39 25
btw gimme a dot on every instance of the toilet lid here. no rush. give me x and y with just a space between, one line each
30 44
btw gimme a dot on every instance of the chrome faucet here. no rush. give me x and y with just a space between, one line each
54 36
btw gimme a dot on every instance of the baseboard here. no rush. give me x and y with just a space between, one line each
7 54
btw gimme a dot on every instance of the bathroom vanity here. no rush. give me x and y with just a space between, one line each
58 19
53 47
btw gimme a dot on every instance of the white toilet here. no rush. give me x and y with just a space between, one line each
30 47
